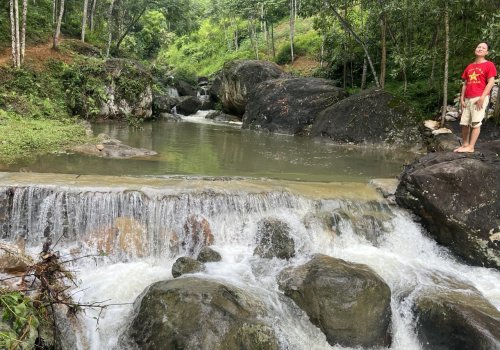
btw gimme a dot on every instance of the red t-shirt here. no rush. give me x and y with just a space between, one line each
476 77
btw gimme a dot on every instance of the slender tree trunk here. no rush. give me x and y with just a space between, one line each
23 31
446 58
434 56
84 18
13 34
383 59
272 40
322 57
292 26
110 33
55 44
129 27
18 38
496 112
363 75
92 13
54 11
357 38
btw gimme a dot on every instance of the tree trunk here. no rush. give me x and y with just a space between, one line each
363 75
13 34
23 31
84 18
92 13
496 113
18 39
272 40
130 26
446 58
383 59
110 18
55 44
292 27
356 37
322 57
54 10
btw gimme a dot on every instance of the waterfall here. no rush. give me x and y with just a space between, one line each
142 229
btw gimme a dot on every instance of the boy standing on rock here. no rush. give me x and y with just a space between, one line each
479 78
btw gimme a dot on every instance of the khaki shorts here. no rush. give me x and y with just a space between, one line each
470 115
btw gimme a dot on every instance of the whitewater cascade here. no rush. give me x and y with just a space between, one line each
139 224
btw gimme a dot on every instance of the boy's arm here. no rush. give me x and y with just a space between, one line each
462 96
486 92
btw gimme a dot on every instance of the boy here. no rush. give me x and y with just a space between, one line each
479 78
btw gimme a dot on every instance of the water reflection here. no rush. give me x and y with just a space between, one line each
188 148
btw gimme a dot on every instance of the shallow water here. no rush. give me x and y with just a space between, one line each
197 146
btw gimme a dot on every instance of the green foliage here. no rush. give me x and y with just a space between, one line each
22 319
83 83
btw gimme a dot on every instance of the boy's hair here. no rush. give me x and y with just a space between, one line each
485 42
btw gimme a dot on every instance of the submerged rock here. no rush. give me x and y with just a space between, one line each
456 196
289 105
192 313
240 77
274 240
112 148
185 265
349 302
457 319
372 116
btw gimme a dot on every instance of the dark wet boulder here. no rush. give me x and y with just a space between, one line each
289 105
207 254
456 197
461 319
372 116
349 302
239 78
185 265
163 104
184 88
192 313
274 240
188 105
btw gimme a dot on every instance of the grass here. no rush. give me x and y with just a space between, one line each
23 138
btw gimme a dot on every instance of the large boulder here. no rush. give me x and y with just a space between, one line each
163 104
456 319
289 105
128 90
456 196
240 77
372 116
188 105
192 313
349 302
274 240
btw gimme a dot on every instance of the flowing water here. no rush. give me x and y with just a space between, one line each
139 221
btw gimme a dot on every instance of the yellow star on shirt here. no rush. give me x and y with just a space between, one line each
473 76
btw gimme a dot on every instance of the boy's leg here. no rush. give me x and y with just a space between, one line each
477 117
465 122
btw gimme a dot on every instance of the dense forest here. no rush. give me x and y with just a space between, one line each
416 49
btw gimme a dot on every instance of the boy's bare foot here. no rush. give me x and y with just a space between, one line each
459 149
466 149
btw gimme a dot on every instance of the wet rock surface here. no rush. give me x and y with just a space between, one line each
456 197
458 319
372 116
192 313
349 302
238 78
185 265
289 105
207 254
112 148
274 240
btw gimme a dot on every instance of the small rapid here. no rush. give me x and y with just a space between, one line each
140 224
